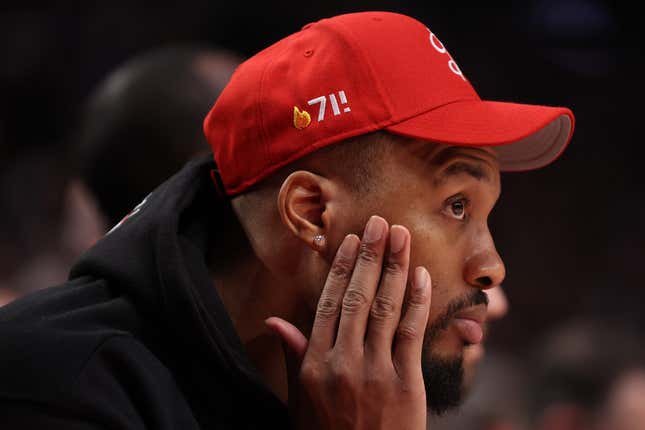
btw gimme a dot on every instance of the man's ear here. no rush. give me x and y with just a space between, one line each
302 202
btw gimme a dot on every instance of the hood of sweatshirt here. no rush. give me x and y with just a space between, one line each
156 256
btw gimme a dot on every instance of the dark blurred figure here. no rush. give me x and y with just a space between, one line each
590 376
141 124
144 121
45 222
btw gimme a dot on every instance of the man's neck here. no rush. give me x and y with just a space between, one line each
250 295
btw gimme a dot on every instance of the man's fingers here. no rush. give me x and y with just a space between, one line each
386 309
411 329
362 287
323 332
294 345
293 341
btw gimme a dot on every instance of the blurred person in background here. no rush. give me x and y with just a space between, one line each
141 124
144 121
497 309
589 374
46 222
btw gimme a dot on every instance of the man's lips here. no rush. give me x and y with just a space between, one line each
469 323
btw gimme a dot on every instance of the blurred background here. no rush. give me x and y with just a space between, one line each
571 234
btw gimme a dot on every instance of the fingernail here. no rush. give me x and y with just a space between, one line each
421 278
373 230
348 247
397 239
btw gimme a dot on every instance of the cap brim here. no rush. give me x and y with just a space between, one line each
525 137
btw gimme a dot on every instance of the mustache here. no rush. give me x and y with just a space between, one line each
475 298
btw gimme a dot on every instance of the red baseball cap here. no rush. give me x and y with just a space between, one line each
356 73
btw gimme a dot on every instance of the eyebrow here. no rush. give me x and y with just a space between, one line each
460 167
456 161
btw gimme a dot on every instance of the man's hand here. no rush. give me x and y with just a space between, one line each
361 368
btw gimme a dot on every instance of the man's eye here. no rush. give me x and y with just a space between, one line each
457 209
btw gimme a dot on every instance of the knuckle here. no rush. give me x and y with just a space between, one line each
342 373
383 308
368 253
394 268
354 300
407 388
418 298
375 381
327 307
407 332
309 374
341 270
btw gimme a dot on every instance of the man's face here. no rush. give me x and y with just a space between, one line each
444 196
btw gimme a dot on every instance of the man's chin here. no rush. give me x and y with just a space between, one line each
443 379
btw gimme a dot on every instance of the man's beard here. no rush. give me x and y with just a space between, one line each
444 377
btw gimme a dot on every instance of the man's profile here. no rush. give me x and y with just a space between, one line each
326 270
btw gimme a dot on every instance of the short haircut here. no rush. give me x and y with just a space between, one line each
357 161
145 121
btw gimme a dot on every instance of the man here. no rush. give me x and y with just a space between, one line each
167 321
153 104
45 223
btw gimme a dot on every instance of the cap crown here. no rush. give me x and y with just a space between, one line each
334 79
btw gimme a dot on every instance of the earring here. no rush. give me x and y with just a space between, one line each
319 241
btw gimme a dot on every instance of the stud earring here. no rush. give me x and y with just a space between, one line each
319 241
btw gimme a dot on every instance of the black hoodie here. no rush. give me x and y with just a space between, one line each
138 337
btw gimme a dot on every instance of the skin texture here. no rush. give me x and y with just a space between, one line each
442 196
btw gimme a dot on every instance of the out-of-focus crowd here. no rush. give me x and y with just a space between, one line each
585 374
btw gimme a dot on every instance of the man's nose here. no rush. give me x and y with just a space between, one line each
485 268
